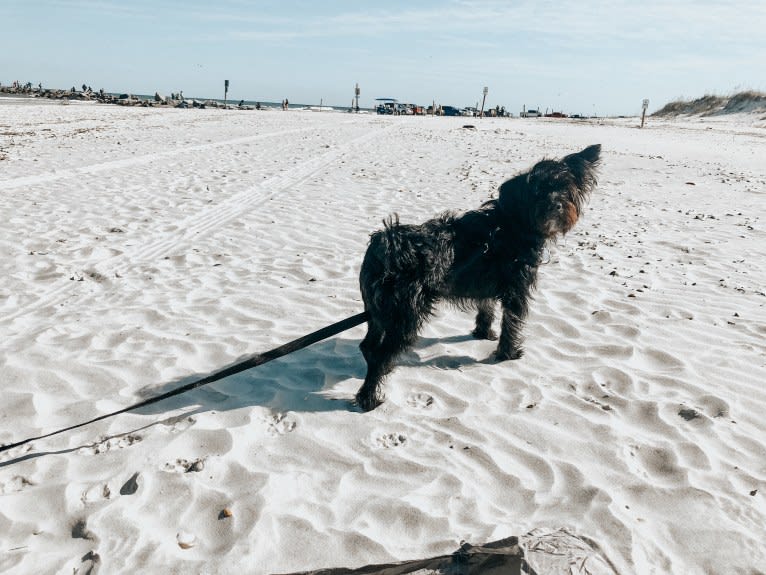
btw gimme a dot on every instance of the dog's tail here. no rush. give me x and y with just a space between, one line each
393 239
391 221
398 252
390 249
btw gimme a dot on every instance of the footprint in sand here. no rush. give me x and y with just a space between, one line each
714 406
278 424
179 423
95 493
80 531
390 440
183 466
658 463
109 444
420 401
14 485
90 564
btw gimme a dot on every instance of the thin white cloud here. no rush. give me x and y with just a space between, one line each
574 21
681 25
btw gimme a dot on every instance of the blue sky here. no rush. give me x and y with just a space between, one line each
576 56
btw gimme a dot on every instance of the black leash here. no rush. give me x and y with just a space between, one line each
250 362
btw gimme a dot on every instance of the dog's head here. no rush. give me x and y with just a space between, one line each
550 196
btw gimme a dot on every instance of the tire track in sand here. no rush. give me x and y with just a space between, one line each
201 222
136 160
237 204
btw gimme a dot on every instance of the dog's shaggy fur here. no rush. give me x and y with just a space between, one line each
473 259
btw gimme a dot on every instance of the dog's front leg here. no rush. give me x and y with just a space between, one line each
514 313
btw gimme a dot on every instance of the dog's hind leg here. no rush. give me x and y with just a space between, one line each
514 313
368 397
389 333
484 318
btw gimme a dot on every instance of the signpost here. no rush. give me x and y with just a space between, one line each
356 93
481 114
645 105
225 91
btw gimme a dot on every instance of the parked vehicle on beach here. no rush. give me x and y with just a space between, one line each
530 114
387 106
413 109
451 111
392 107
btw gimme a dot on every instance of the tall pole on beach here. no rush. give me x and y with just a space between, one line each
644 106
481 114
356 93
225 91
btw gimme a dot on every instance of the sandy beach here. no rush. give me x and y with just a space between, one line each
143 248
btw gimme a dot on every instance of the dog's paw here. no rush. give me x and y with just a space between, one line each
505 355
484 334
367 402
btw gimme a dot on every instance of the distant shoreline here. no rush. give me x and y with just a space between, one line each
145 100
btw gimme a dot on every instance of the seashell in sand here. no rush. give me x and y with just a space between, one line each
186 540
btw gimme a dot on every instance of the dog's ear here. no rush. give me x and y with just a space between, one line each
591 154
583 166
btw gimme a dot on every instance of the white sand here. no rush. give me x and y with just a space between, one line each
140 248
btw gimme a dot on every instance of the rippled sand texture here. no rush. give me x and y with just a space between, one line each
141 248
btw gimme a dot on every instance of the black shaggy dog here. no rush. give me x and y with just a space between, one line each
474 259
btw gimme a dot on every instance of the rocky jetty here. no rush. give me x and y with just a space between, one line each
88 95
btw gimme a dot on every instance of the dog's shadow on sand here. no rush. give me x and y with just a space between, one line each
300 381
304 381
